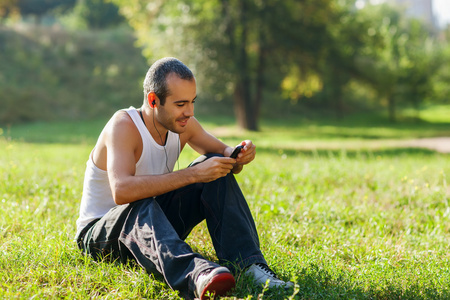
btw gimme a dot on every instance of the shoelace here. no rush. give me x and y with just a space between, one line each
267 270
205 272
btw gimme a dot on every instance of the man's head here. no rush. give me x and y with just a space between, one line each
156 78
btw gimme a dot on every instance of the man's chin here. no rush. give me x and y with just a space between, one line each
178 129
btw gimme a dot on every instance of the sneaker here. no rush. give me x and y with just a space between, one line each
261 273
217 281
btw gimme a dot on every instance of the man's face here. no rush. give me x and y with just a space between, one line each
179 106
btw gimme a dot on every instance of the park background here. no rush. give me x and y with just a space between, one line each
338 96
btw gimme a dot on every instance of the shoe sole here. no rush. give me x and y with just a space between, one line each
219 285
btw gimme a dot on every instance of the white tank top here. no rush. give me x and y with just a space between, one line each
155 159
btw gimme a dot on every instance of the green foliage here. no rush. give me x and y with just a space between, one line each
248 45
93 14
7 7
319 50
324 57
341 222
37 8
442 77
57 74
84 13
400 60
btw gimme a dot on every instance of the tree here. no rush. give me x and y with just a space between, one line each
382 59
8 7
233 44
442 77
398 61
339 65
98 13
423 59
39 8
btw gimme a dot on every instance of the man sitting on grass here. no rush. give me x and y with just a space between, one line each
134 206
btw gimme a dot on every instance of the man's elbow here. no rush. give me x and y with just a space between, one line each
120 195
120 200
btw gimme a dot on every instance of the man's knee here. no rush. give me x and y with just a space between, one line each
204 157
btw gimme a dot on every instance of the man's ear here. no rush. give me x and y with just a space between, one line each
151 98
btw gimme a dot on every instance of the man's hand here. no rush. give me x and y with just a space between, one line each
247 153
213 168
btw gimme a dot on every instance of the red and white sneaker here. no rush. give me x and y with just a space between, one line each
217 281
261 273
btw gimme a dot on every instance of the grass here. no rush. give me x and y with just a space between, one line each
342 222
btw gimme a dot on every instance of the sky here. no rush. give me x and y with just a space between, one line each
441 9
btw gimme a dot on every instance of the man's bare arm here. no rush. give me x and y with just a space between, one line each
203 142
131 188
121 143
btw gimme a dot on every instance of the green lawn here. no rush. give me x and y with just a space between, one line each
349 221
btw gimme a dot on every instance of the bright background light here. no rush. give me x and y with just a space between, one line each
441 9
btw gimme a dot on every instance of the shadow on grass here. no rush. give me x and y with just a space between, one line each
360 153
69 132
360 126
316 283
312 282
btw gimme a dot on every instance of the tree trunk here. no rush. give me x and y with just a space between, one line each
339 107
242 93
391 104
239 105
245 116
260 75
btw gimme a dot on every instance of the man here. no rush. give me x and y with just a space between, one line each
134 206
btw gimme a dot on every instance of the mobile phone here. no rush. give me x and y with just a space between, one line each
236 151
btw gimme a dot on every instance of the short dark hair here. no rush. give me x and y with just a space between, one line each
155 80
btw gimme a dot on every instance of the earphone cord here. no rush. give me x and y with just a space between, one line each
178 156
160 137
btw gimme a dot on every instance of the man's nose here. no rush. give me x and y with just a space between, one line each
189 112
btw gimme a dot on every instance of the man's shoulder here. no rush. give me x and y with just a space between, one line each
192 129
194 126
121 118
121 124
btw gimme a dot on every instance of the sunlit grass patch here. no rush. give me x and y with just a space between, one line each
362 223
